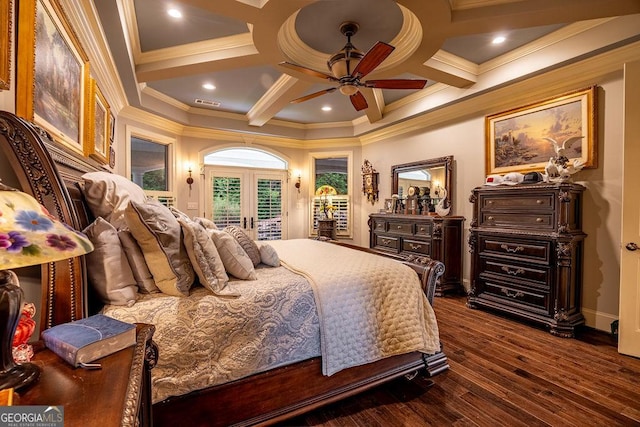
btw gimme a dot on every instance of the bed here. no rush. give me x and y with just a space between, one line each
281 388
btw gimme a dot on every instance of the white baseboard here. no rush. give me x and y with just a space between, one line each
598 320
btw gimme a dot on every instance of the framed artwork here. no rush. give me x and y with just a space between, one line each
98 126
389 205
5 44
525 138
53 76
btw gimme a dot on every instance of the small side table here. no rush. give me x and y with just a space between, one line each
327 228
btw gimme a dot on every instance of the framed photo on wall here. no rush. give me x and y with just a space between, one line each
522 139
5 44
53 76
98 126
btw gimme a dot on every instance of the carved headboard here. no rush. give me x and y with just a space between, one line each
51 173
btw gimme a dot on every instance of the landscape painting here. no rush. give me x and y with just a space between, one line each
523 139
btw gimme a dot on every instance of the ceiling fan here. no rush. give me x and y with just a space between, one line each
350 65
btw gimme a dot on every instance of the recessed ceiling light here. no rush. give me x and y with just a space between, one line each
208 86
174 13
499 40
326 108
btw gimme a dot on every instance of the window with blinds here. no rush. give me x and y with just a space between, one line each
340 214
227 209
269 209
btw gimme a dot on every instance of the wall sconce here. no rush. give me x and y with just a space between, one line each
298 174
189 178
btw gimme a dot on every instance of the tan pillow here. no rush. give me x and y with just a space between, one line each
141 272
107 266
159 235
245 241
204 257
234 258
108 194
268 255
206 223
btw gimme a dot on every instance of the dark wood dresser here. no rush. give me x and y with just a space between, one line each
416 238
526 244
118 394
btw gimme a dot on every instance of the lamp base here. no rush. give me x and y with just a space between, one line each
11 374
19 377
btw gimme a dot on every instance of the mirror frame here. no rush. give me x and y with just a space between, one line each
446 162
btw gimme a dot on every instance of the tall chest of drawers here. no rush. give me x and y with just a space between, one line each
416 238
526 244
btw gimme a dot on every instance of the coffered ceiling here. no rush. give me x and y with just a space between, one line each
237 46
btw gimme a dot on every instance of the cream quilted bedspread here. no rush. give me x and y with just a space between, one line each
370 307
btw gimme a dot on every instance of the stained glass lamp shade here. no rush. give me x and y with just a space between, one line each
29 235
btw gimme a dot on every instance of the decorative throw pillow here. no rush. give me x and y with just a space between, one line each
205 258
235 259
108 268
245 241
268 255
206 223
108 194
179 214
141 272
159 235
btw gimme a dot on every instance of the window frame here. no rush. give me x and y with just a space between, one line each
170 142
313 231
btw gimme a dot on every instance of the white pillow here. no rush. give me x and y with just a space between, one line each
108 194
159 235
107 266
141 272
246 242
235 259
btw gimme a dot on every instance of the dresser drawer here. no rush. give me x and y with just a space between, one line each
416 246
400 227
529 250
508 294
527 202
527 275
387 242
424 229
521 220
379 225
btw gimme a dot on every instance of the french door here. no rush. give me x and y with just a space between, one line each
250 199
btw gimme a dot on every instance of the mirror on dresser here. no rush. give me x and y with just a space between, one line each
433 176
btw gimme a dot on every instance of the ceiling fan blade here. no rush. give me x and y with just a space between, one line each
396 84
372 59
313 95
308 71
358 101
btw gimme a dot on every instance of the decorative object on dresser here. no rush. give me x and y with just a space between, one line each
422 186
327 228
418 239
526 244
369 182
29 235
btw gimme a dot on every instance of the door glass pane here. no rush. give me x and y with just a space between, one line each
269 193
226 201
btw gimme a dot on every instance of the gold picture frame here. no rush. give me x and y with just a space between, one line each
520 139
52 77
97 126
5 44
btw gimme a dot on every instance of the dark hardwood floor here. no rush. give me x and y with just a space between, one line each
502 373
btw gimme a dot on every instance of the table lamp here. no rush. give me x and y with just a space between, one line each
29 235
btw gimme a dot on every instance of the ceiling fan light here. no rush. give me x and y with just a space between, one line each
342 63
348 89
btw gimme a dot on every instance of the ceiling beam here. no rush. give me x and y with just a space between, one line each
275 99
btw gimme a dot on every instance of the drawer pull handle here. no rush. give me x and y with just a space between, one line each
512 250
490 202
421 229
512 294
386 242
512 272
399 227
539 220
490 218
414 247
539 201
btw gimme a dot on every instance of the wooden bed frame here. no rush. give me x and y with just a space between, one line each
51 173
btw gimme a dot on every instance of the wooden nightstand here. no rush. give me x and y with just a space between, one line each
119 394
327 228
